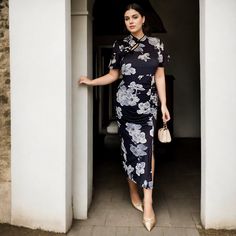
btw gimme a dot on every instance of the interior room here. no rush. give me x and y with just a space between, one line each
177 163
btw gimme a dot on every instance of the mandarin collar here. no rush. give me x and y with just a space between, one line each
136 39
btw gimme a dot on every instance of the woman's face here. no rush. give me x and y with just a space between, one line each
133 21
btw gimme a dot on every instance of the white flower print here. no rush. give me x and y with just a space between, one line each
150 184
147 184
132 43
133 128
139 137
132 99
126 97
153 80
112 61
150 122
123 149
144 108
144 56
135 86
130 169
124 165
156 42
135 133
139 48
153 98
151 131
121 47
153 111
153 41
149 92
121 95
118 123
139 150
118 112
140 168
121 83
126 69
140 77
160 57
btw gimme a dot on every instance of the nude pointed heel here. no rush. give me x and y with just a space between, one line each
138 206
149 223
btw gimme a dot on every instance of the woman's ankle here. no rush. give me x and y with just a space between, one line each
147 201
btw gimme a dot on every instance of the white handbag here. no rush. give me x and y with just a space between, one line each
164 134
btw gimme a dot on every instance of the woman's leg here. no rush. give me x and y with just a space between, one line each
148 209
133 190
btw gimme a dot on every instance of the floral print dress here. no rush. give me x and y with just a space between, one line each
136 103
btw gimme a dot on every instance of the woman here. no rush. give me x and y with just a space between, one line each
139 59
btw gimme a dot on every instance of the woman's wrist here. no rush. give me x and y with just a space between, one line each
163 104
91 82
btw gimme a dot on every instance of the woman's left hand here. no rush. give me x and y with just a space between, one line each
165 113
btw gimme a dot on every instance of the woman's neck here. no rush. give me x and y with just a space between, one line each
138 35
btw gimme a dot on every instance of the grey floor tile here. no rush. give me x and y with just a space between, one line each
81 230
104 231
196 219
124 217
142 231
162 212
122 231
192 232
182 220
95 217
174 231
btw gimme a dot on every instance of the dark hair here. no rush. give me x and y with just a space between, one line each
141 11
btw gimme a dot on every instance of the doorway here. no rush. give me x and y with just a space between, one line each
178 166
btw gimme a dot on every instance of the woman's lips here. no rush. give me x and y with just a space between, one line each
132 27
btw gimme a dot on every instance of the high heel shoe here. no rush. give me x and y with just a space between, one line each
149 223
138 206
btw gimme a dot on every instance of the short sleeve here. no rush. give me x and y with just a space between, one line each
161 55
116 56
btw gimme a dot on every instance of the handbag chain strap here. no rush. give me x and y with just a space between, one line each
165 125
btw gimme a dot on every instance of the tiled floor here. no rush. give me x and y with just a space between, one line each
176 195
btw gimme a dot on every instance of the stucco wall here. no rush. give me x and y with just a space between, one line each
41 150
218 102
5 178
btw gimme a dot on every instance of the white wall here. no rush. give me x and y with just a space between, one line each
82 109
181 19
41 114
218 102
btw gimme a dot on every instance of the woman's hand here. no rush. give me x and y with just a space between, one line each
165 113
84 80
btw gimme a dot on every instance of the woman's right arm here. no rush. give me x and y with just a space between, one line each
108 78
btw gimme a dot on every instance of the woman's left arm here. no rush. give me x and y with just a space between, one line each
161 89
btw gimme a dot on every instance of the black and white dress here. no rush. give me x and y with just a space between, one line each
136 103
